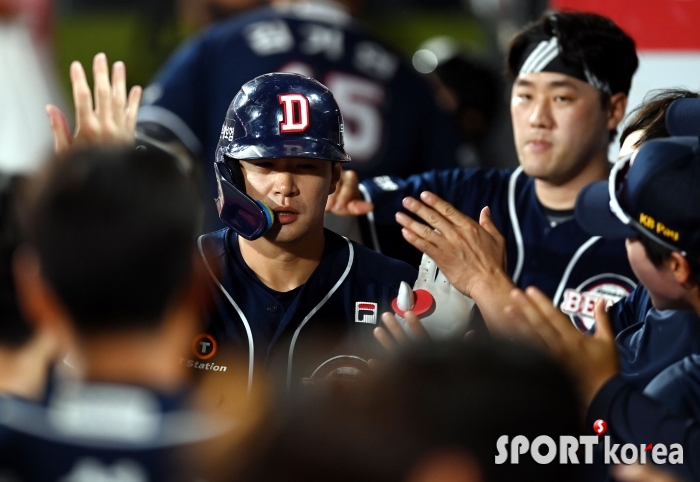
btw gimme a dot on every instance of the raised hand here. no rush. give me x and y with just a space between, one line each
347 199
111 120
471 255
592 360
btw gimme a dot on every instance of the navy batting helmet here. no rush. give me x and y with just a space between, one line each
273 116
283 115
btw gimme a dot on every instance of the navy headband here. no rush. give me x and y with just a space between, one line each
542 55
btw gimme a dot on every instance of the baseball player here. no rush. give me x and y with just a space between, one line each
572 72
392 122
651 200
112 270
300 300
275 271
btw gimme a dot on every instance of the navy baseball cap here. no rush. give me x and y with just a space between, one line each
683 117
654 192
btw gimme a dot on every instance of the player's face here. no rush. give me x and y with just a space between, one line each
295 189
664 290
559 125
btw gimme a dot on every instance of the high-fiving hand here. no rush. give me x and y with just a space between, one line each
111 120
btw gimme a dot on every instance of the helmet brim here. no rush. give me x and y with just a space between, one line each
275 148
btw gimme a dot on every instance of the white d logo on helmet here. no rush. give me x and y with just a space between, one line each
295 113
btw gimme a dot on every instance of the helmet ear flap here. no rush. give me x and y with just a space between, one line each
248 217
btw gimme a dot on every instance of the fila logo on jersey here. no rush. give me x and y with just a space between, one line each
579 303
204 346
366 312
295 113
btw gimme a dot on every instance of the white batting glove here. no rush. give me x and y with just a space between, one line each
442 310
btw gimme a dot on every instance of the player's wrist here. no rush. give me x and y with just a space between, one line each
494 284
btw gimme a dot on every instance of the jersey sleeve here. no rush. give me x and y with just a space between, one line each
678 387
176 99
634 418
468 190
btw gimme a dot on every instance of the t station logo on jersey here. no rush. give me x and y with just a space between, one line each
204 347
544 450
295 113
579 303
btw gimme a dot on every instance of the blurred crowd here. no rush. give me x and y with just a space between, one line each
301 252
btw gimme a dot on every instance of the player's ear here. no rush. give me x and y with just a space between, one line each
336 172
616 109
680 268
39 303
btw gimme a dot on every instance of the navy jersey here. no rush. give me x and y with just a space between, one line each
92 432
678 387
650 340
392 122
567 264
634 418
323 330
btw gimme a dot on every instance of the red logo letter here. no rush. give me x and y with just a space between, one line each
295 113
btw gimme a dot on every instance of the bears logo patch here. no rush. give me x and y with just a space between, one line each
579 303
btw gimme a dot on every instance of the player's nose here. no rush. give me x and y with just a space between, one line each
541 113
285 184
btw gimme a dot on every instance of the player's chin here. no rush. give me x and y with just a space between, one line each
536 169
285 233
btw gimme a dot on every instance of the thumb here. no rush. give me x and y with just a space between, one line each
59 128
486 222
603 330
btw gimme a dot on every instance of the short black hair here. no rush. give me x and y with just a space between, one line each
14 330
650 115
114 230
585 40
657 254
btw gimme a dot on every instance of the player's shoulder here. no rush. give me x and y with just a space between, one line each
476 174
371 265
99 421
214 246
214 240
72 408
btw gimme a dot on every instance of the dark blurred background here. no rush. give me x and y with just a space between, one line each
144 32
